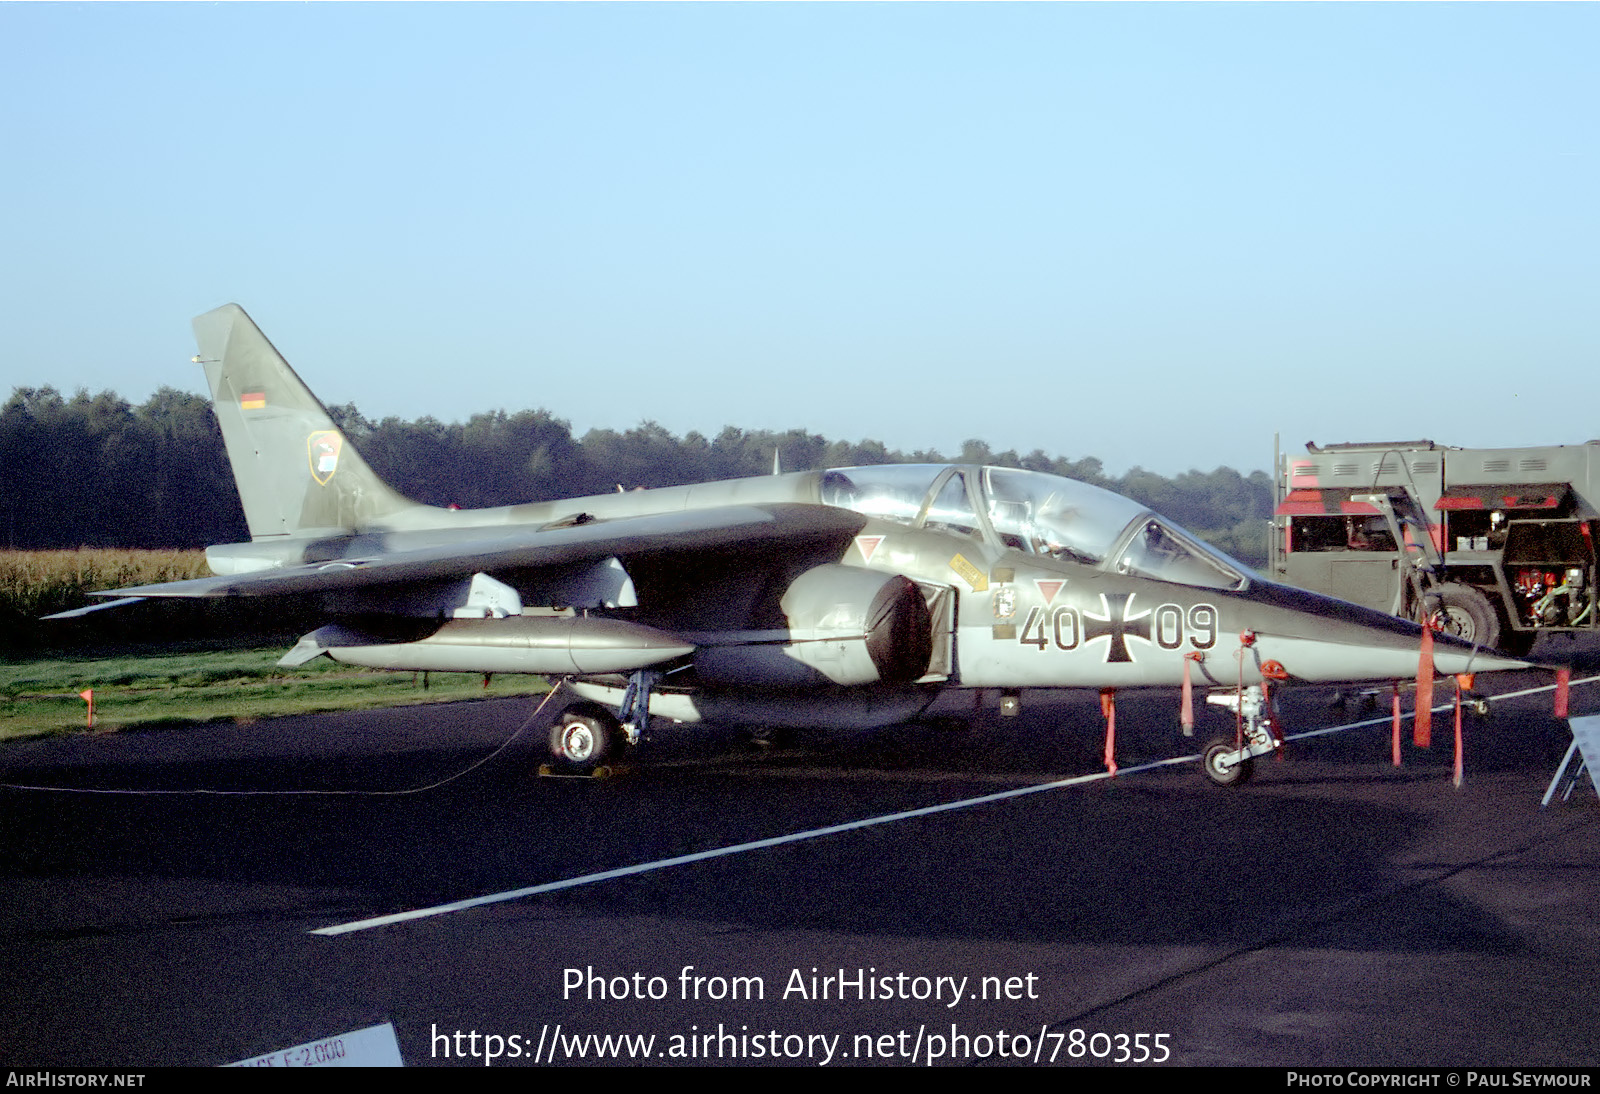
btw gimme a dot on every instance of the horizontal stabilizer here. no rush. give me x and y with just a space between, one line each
78 613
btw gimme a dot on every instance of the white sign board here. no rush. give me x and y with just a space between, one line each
1585 741
374 1046
1586 732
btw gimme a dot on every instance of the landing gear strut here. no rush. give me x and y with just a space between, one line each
1226 764
634 711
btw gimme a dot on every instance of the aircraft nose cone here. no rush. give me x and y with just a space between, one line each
1452 662
1325 661
1322 640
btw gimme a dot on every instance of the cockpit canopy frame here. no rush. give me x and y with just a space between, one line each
1035 513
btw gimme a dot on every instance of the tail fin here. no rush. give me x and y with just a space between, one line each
297 474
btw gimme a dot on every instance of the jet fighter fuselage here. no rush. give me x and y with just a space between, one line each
850 596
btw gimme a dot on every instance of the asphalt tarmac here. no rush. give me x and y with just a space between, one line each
1335 911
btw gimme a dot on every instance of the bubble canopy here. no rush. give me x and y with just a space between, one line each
1036 513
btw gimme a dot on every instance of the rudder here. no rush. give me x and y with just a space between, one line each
296 472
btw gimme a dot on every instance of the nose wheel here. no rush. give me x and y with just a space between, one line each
1228 763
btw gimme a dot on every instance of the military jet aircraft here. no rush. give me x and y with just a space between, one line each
843 598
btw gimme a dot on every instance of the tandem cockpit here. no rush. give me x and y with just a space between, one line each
1036 513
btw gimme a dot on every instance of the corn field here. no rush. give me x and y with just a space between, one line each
39 583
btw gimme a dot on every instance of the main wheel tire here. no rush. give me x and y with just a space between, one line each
1219 774
1462 612
583 738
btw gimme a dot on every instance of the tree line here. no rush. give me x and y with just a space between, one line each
95 470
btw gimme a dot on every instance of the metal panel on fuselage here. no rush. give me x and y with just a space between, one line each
1029 621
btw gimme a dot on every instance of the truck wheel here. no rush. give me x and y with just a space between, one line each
1462 612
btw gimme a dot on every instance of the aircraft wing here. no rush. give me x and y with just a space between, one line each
525 548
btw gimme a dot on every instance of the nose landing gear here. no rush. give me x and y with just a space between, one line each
1225 762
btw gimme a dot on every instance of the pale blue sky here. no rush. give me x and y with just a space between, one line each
1153 234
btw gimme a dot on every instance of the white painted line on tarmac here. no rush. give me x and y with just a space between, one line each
735 849
834 829
1448 704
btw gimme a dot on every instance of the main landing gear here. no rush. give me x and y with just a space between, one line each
584 738
588 735
1224 762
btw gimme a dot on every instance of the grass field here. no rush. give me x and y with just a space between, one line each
42 696
39 690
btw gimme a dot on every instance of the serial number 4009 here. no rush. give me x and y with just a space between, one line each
1119 1048
1168 626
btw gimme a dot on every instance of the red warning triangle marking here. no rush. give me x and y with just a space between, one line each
868 546
1048 590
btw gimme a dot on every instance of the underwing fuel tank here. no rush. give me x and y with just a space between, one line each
548 645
